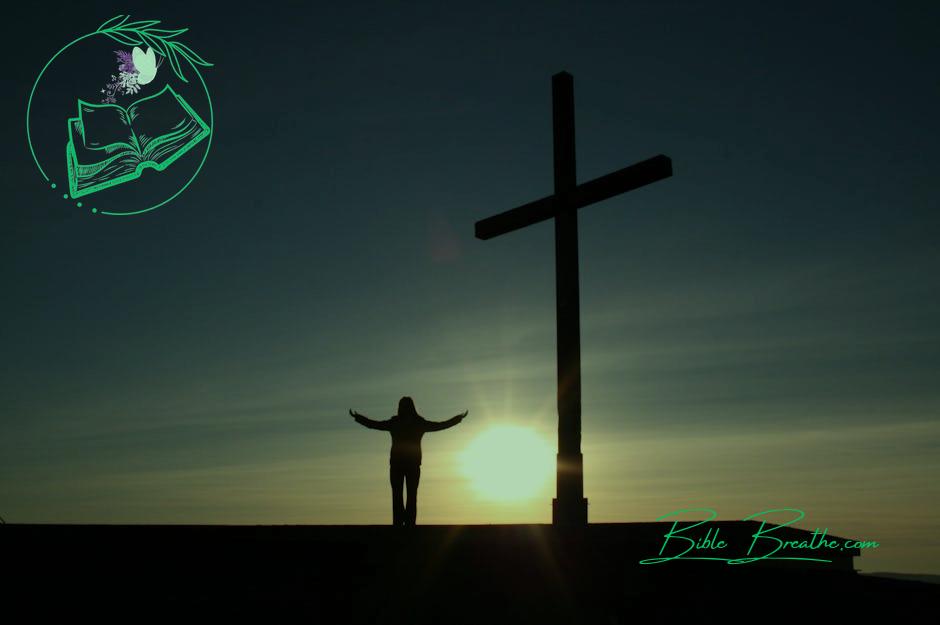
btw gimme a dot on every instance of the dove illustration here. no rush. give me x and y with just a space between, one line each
146 65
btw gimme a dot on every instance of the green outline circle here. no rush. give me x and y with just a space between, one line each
205 89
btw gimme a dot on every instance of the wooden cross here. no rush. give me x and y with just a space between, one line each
570 506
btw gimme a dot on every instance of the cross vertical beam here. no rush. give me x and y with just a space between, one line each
569 506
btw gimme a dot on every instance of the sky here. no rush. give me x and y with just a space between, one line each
758 331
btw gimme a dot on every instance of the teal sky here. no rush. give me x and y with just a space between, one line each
758 331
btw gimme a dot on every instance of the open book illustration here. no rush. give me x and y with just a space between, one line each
110 145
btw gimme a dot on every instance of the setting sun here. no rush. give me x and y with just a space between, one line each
508 463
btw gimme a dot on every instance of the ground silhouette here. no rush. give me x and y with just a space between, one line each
440 574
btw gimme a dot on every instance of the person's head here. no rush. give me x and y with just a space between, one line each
406 407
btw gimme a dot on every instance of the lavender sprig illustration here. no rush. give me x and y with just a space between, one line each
126 80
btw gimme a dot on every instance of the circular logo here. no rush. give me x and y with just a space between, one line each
120 121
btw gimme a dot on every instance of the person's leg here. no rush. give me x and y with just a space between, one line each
397 477
411 510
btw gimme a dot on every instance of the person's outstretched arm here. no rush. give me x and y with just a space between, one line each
435 426
370 423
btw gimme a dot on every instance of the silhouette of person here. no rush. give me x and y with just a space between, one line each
407 427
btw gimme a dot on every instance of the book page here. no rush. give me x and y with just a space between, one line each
166 127
105 125
156 117
98 167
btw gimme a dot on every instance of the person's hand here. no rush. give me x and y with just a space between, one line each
463 414
354 414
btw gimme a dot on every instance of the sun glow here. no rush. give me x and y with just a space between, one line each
508 463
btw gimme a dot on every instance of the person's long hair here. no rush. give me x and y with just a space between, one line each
406 408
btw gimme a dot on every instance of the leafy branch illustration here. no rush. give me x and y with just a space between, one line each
163 41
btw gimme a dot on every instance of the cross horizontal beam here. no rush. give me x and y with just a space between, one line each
599 189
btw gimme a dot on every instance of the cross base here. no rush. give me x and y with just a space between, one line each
569 512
